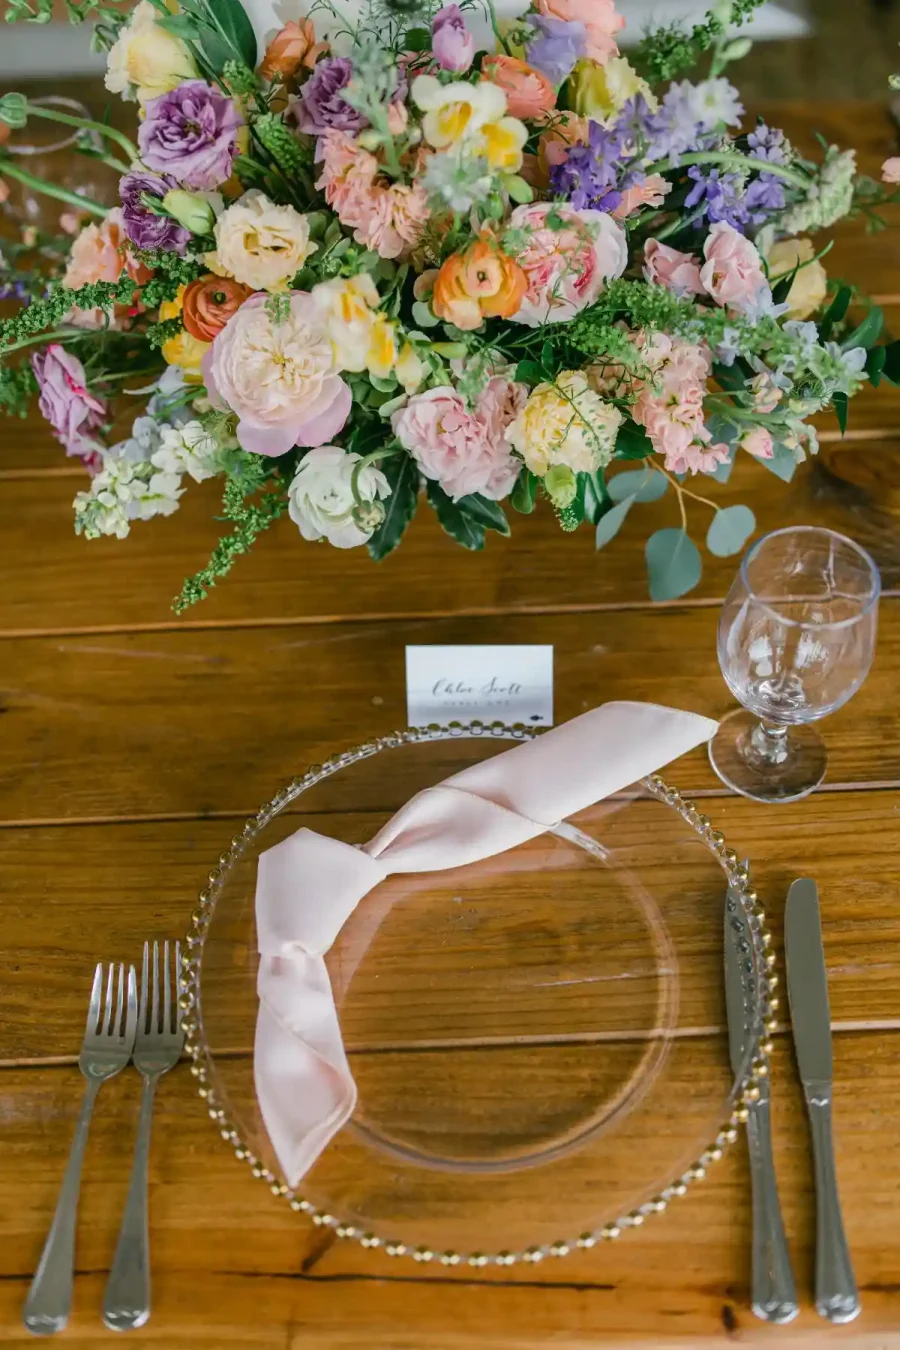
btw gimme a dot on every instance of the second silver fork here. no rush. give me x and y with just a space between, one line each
157 1046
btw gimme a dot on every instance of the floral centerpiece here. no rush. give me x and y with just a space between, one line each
397 270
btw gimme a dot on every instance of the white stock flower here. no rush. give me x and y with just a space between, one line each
189 449
321 502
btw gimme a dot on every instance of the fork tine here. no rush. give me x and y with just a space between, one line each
145 980
107 1008
167 990
120 1002
154 1012
131 1015
177 986
94 1005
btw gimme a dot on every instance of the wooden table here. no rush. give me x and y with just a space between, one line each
134 743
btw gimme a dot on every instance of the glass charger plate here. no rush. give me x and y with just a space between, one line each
538 1039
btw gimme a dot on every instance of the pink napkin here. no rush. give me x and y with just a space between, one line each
308 886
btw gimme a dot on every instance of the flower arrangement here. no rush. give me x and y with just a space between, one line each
403 264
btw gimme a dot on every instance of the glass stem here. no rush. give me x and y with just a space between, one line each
770 742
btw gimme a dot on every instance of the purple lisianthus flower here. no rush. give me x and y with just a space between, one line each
65 401
321 105
452 45
561 43
144 228
191 133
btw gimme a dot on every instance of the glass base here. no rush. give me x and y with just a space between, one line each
767 764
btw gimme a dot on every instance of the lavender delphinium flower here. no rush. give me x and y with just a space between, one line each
589 176
144 228
561 43
321 105
191 133
721 196
765 142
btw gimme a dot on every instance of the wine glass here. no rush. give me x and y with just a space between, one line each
50 151
796 640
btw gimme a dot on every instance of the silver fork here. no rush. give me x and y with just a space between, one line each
107 1045
126 1303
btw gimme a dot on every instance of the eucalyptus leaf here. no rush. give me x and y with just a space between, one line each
399 508
674 565
644 485
423 316
609 524
782 463
457 523
729 530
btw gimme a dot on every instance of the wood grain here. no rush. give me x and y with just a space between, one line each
53 581
232 1265
137 881
257 707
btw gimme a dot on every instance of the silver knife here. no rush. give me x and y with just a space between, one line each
773 1294
837 1297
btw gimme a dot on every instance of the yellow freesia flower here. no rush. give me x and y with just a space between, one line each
456 110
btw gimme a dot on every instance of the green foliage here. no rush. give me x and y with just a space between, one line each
399 508
596 497
17 385
645 485
866 334
249 523
611 521
835 312
159 333
841 409
463 524
284 148
664 54
524 492
674 565
632 441
729 530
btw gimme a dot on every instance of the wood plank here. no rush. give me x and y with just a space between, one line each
95 727
266 1276
138 881
52 580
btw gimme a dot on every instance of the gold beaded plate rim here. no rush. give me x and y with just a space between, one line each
744 1091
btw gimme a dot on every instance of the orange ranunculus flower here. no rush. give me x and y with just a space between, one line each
293 47
529 94
481 282
209 303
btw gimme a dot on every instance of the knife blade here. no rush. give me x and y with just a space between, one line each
773 1291
837 1297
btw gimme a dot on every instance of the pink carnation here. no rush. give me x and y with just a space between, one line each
758 441
678 272
566 266
670 405
465 451
733 272
388 218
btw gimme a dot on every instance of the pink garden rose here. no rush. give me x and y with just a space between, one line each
732 273
758 441
282 379
65 401
465 451
890 170
678 272
565 267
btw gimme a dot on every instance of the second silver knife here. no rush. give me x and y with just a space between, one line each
773 1294
807 984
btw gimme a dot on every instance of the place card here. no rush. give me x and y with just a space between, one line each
486 683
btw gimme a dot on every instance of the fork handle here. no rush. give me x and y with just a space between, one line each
126 1303
49 1298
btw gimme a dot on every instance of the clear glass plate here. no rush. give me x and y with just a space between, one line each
538 1039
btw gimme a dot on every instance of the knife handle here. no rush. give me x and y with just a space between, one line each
837 1297
774 1294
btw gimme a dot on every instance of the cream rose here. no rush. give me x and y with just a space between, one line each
147 59
810 285
260 244
566 423
321 502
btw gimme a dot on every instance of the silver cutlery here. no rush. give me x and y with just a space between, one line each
773 1292
837 1297
157 1047
107 1045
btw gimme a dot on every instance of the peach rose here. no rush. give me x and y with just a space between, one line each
529 94
209 303
678 272
600 21
98 253
479 283
294 47
565 262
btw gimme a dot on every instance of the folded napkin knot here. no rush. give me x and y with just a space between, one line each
310 884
